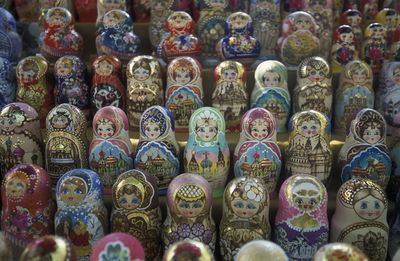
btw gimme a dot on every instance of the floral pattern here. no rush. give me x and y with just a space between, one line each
115 251
253 191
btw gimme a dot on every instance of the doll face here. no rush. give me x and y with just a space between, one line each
27 75
302 22
354 20
105 128
179 20
57 18
152 130
141 74
309 128
206 133
131 201
16 188
317 5
73 191
182 75
59 121
244 208
159 6
371 135
64 68
369 208
271 79
112 19
347 37
359 76
9 122
306 200
190 208
396 76
392 21
239 21
264 3
113 4
316 75
259 129
104 68
229 75
378 32
217 4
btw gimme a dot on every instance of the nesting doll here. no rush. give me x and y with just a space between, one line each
11 42
343 49
301 224
298 38
66 142
117 37
353 18
189 202
184 93
391 4
71 83
192 249
271 91
160 11
136 210
394 232
354 93
8 85
110 152
369 9
262 250
8 22
245 215
337 251
374 46
87 10
118 246
27 206
360 218
394 147
230 96
391 19
207 152
314 86
394 51
33 87
107 87
60 37
104 6
145 86
309 150
157 151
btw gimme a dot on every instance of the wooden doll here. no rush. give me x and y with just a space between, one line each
369 9
28 11
230 96
117 37
157 151
394 231
261 249
27 206
353 18
8 84
301 224
271 91
189 202
104 6
160 11
343 49
309 150
184 93
394 147
71 83
314 86
87 10
354 93
391 4
244 215
337 9
394 52
11 42
110 152
136 210
60 37
360 218
188 248
107 87
207 152
66 142
298 38
391 19
118 246
8 22
342 251
46 5
141 11
81 216
374 46
145 86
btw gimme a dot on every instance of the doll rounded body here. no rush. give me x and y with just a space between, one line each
374 46
344 48
104 6
353 18
160 11
8 84
188 247
344 250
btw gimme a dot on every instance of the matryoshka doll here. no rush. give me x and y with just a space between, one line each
81 216
60 37
355 92
207 152
11 42
360 218
309 150
314 86
145 86
394 231
157 151
110 152
391 19
244 215
394 147
394 52
189 202
66 142
104 6
27 206
343 49
141 11
33 87
117 37
301 224
136 210
192 249
339 251
374 46
369 9
271 91
160 11
261 250
8 84
184 93
354 19
87 10
107 87
71 83
230 96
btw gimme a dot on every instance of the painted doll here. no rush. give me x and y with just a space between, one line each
394 147
239 44
192 249
141 11
391 4
66 142
81 216
160 11
394 231
353 18
314 86
46 5
257 152
355 92
104 6
391 19
136 210
11 42
271 91
87 10
207 152
145 86
343 49
261 249
8 84
309 150
28 11
118 246
360 218
337 9
117 37
8 22
189 202
298 38
180 40
374 46
27 206
184 93
337 251
157 151
60 37
110 152
244 215
369 9
33 87
230 96
301 224
107 87
71 83
394 51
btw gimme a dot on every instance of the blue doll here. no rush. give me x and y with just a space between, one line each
7 82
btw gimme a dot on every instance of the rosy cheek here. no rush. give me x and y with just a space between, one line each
264 135
362 213
314 132
109 134
255 134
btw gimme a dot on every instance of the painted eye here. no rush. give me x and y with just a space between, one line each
304 127
239 204
147 129
264 130
78 191
313 73
187 76
197 205
313 202
19 185
377 205
135 201
251 206
65 191
202 129
184 205
156 129
364 205
299 201
313 127
122 201
109 129
178 76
